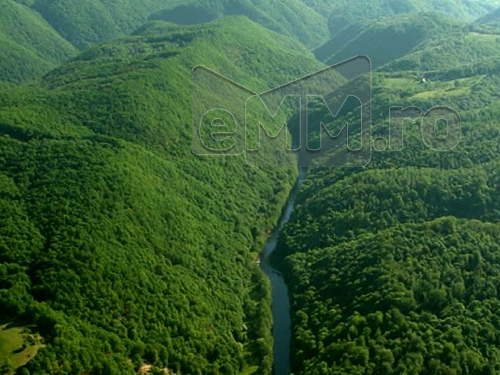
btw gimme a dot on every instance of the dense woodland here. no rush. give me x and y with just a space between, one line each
411 299
123 249
118 244
393 268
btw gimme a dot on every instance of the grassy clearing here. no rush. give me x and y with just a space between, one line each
17 347
448 88
441 93
400 83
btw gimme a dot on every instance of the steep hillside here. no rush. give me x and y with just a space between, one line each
28 45
123 252
369 252
386 40
324 7
380 198
371 291
90 21
492 17
460 54
346 13
292 18
115 237
488 24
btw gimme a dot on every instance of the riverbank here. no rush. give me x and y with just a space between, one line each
280 297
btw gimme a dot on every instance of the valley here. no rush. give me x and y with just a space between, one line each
124 252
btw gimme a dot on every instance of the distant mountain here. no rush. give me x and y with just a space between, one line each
489 23
346 13
90 21
462 51
385 40
324 7
311 22
491 17
292 18
429 43
29 47
37 35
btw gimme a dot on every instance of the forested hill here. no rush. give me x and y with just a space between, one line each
345 13
393 268
123 252
36 36
492 17
387 39
29 46
83 22
119 246
420 299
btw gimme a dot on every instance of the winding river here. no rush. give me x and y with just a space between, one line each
281 302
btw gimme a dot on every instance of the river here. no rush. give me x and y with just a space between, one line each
281 302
